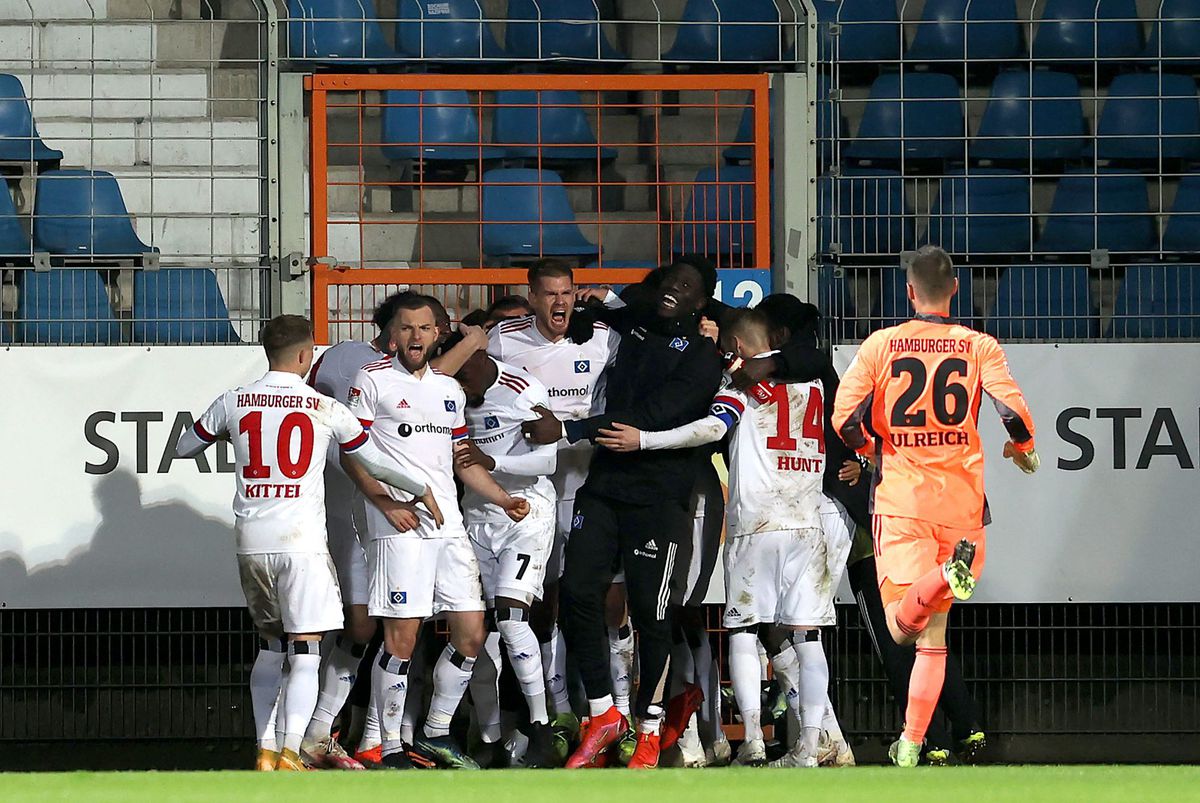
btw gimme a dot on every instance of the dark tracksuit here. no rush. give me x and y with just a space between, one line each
634 507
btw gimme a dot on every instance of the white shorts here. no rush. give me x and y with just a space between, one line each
512 555
291 592
345 517
779 577
565 515
416 578
839 530
708 522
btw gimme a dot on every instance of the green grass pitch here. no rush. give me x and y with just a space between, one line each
1060 784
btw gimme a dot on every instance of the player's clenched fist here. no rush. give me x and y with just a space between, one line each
544 429
516 508
467 454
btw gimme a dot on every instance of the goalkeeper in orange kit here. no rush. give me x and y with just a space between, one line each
910 402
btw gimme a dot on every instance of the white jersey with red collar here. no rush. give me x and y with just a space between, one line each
415 421
333 373
281 430
573 375
776 453
495 426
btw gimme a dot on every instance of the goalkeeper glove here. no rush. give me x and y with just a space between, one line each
1026 461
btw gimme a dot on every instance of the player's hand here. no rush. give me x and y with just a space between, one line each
621 438
752 372
709 329
401 515
430 503
467 454
1026 461
850 471
516 508
544 429
599 293
475 336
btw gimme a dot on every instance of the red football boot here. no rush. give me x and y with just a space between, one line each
679 712
645 755
598 735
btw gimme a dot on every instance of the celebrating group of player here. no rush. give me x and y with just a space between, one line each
582 427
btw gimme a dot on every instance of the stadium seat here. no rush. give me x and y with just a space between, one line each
825 131
19 139
82 213
706 37
869 31
718 215
1182 234
559 124
1158 301
1121 222
872 215
445 30
64 307
966 30
981 211
337 31
14 243
1080 31
1052 121
1176 38
1043 302
433 125
560 29
179 305
527 213
930 117
1140 107
894 306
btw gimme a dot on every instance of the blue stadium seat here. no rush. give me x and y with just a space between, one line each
1080 31
64 307
1157 301
1176 39
894 306
554 37
13 241
527 213
872 214
981 211
1121 222
706 37
1142 106
870 30
560 125
180 305
1043 302
930 117
1182 234
718 215
1052 121
82 213
966 30
337 31
445 30
433 125
19 139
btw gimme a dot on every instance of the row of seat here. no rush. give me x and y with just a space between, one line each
1030 115
351 31
1068 31
1055 302
71 306
988 211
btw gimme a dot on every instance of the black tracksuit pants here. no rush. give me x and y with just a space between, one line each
652 543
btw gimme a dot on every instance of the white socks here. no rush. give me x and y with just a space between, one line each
389 687
554 668
745 673
300 696
600 705
266 678
830 722
339 668
620 663
814 688
525 655
485 691
451 675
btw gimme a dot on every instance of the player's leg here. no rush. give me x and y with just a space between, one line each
949 575
707 541
545 618
750 591
484 685
620 642
587 565
266 677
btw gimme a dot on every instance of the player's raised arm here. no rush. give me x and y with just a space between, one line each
1010 403
210 428
855 395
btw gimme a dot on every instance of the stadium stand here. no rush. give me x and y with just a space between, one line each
1031 115
19 140
547 124
961 30
80 213
910 116
1148 117
1107 210
527 213
445 30
869 31
1181 234
557 30
1174 35
1044 302
717 214
1158 301
14 242
1078 32
721 31
981 211
871 212
66 306
433 125
180 305
337 32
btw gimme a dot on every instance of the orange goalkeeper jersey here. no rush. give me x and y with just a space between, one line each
911 401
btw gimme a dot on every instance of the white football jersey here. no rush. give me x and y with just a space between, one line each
776 453
495 427
574 378
281 430
332 374
415 421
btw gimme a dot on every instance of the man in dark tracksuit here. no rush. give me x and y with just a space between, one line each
635 507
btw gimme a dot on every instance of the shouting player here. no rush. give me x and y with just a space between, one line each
512 556
777 581
281 430
918 386
415 414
